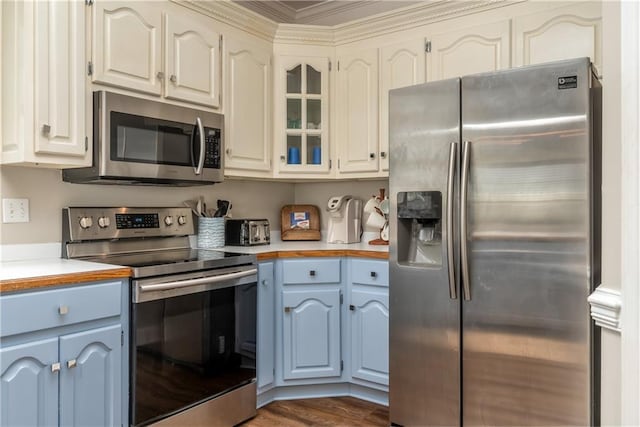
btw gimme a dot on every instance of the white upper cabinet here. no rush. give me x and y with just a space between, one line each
44 101
248 108
127 45
401 65
568 32
357 111
170 52
192 66
472 50
301 116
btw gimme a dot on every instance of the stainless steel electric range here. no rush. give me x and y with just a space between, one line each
193 314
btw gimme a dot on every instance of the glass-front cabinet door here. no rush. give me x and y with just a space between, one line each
302 137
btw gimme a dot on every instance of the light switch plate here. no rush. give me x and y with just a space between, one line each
15 210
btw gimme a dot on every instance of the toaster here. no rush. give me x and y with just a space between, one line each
247 232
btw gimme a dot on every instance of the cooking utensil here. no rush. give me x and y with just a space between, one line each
192 205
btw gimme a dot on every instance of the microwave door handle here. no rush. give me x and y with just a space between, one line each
200 129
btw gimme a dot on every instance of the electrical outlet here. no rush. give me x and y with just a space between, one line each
15 210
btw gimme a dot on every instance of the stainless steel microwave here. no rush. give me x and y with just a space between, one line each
138 141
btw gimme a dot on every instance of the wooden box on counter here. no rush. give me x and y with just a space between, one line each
300 222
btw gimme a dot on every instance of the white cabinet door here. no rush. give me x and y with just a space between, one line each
127 45
59 92
248 107
477 49
301 115
370 335
401 64
311 333
357 111
568 32
192 63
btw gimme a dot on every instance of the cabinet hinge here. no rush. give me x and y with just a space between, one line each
88 2
329 163
90 68
427 46
341 365
338 65
341 298
220 42
86 144
338 164
121 338
329 65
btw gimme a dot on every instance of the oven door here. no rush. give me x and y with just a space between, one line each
145 139
193 339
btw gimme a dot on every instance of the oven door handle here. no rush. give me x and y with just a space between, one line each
194 282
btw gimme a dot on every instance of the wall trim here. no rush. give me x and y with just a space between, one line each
606 306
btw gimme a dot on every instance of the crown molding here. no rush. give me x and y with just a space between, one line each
305 34
234 15
411 17
606 305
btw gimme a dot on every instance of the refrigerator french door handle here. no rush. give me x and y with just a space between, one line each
453 157
464 256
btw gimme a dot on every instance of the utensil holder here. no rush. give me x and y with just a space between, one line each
210 232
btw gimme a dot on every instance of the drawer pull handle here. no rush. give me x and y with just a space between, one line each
63 309
352 307
312 273
72 363
55 367
287 309
374 274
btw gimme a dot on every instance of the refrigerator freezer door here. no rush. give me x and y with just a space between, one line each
526 340
424 320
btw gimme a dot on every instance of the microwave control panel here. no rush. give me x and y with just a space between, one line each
212 148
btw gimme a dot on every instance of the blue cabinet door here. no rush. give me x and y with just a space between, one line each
29 384
311 333
370 335
90 385
266 325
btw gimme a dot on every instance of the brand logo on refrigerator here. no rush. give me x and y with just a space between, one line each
568 82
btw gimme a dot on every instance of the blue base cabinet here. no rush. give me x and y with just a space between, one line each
266 351
64 356
368 298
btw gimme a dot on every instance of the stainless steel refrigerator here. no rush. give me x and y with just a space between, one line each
495 246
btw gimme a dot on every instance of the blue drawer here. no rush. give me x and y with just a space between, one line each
370 272
37 310
311 270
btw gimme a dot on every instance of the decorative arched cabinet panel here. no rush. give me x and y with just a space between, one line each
472 50
370 335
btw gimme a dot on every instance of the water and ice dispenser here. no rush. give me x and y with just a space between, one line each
420 228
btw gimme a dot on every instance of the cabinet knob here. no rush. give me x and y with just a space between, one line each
264 282
374 274
383 154
72 363
63 309
55 367
160 75
312 273
173 78
287 309
283 158
352 307
228 151
46 129
372 155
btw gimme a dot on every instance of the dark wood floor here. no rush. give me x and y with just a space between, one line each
330 411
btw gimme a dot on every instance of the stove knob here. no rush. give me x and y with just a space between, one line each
182 220
103 222
168 220
86 222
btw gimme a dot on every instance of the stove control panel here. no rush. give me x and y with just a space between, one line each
91 223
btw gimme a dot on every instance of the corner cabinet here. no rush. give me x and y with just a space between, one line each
309 321
138 46
44 101
248 108
64 356
301 116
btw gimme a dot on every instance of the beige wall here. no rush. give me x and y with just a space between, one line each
48 194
